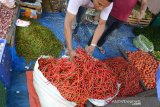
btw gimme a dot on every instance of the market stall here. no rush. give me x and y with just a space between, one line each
129 68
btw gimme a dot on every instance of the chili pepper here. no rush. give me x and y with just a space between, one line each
85 77
147 66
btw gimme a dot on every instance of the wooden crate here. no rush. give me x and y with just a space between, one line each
31 5
143 22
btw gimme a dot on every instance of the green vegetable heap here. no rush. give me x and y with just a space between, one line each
36 40
153 34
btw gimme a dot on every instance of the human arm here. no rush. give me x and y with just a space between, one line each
142 10
100 29
72 10
68 33
97 34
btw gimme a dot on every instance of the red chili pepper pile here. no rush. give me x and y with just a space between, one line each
146 65
80 79
126 74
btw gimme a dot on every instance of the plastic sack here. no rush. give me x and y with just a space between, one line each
45 89
8 3
103 102
158 83
142 43
48 94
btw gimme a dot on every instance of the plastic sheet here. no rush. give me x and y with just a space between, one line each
5 20
118 39
121 39
5 65
18 62
33 97
17 94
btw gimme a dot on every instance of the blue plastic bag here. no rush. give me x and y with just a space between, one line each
158 83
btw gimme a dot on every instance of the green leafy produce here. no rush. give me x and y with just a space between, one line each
156 54
143 43
152 33
36 40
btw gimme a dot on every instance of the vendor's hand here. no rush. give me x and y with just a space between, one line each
90 49
139 20
140 16
72 54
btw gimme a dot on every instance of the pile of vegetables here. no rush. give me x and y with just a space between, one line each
142 43
157 54
36 40
86 77
153 34
135 13
126 74
146 65
80 79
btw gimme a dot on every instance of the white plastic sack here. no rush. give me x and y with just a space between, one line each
45 90
49 96
105 101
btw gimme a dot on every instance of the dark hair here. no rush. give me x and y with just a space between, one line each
110 0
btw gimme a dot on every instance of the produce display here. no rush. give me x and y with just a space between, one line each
36 40
81 79
156 54
142 43
86 77
145 21
126 74
146 65
135 13
153 34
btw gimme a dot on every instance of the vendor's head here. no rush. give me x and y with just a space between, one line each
101 4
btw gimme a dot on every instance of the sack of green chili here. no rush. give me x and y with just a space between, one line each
142 43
